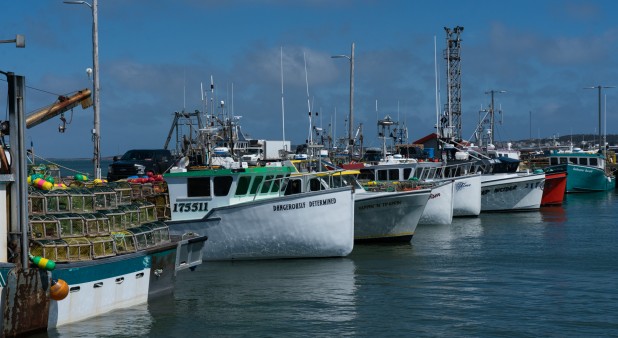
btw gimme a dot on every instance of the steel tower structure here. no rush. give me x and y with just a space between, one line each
450 122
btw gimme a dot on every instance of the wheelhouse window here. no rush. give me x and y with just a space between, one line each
573 160
243 185
315 184
276 186
222 185
393 174
256 183
553 161
563 160
406 173
294 187
267 183
198 186
382 175
594 162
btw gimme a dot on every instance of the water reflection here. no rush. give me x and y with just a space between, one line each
130 322
239 298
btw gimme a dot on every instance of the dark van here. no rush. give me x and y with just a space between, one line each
138 162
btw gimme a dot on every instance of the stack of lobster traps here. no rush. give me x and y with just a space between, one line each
86 221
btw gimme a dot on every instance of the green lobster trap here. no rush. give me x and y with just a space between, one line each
36 202
56 250
71 225
43 227
141 190
144 237
57 201
117 219
105 198
147 211
80 249
82 200
132 213
124 241
162 205
102 246
123 192
97 224
160 232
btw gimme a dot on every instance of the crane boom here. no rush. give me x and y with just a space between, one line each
64 103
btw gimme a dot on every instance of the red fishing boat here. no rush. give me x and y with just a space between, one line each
555 187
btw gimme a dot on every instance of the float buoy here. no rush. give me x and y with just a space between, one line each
43 184
80 177
43 263
59 289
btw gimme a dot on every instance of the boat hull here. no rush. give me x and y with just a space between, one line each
312 224
101 286
439 209
467 196
554 189
511 191
388 216
588 179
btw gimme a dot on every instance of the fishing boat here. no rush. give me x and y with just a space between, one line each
380 214
68 255
246 214
511 191
586 171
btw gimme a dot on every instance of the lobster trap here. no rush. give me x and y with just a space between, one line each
97 224
43 227
71 225
54 249
102 246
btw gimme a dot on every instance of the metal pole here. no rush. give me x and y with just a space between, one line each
352 101
97 104
600 131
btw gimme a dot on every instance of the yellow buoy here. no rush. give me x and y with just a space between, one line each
59 289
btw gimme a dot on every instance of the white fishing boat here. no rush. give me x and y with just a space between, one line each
511 191
379 216
246 214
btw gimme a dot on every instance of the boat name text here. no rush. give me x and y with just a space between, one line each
379 205
461 185
301 205
190 207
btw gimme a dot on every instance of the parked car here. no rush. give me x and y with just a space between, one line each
138 162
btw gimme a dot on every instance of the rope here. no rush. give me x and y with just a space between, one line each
59 165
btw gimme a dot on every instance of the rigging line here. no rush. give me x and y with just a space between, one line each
59 165
40 90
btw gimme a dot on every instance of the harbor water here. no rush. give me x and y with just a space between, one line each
551 272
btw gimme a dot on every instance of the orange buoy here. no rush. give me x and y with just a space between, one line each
59 289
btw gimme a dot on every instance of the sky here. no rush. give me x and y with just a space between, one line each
156 56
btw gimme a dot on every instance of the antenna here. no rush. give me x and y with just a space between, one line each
282 105
308 104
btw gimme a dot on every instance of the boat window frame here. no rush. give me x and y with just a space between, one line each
196 186
221 185
243 185
255 184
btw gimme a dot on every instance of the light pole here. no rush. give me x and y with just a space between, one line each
20 41
351 59
96 132
599 87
